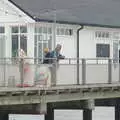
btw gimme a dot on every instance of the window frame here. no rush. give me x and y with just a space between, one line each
3 30
19 34
61 31
44 36
105 51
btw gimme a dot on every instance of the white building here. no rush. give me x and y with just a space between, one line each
23 24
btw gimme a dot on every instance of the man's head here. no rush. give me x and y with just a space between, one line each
58 47
46 50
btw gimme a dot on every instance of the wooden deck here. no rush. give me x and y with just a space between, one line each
13 96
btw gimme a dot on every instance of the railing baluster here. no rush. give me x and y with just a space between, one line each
109 71
78 69
119 70
83 71
4 65
22 71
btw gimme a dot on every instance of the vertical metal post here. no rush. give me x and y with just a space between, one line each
109 71
54 73
87 114
54 24
83 71
4 64
22 71
78 57
78 65
50 112
119 70
78 71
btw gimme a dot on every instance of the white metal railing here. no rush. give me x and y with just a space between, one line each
17 72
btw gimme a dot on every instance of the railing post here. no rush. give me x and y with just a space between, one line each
109 70
54 69
78 69
83 71
119 71
22 71
4 64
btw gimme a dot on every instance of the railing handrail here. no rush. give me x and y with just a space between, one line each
61 59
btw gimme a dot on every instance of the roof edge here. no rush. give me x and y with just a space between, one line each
21 9
62 22
82 24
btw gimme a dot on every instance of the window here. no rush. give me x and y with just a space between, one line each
23 29
19 39
102 50
2 30
14 45
70 32
44 29
2 42
62 31
43 39
100 34
116 35
23 43
15 29
49 30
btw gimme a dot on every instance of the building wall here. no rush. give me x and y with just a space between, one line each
68 42
88 40
10 13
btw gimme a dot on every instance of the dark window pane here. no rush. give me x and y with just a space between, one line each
15 29
103 34
50 43
39 37
14 45
62 31
96 34
40 51
50 30
99 34
103 50
67 32
40 29
35 46
23 29
2 46
2 30
23 43
44 45
70 32
36 29
44 29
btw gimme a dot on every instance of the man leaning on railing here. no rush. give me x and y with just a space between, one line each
56 53
53 58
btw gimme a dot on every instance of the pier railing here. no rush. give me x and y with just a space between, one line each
17 72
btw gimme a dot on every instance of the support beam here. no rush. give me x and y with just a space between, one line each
87 114
50 112
89 104
4 115
41 108
117 110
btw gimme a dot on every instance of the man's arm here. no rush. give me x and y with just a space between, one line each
61 56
